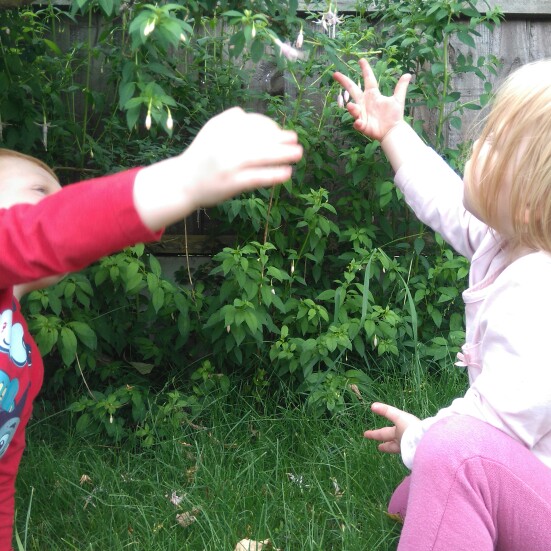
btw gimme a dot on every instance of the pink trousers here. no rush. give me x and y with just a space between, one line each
473 488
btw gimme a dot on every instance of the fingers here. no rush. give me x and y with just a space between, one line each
389 447
401 89
288 137
388 412
271 153
368 75
387 437
253 178
348 84
384 434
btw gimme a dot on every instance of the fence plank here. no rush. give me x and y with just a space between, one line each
508 7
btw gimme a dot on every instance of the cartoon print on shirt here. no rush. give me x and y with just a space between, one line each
12 340
9 423
12 343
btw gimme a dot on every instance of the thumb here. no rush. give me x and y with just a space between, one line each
401 89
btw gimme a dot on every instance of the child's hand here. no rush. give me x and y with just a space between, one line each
237 151
391 437
234 152
375 114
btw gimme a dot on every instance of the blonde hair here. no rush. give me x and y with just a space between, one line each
11 154
519 130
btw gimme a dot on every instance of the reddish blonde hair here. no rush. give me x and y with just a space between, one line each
11 154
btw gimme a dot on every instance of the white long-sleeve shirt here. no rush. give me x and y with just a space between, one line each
508 316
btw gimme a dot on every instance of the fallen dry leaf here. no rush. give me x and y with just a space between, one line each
356 391
85 479
251 545
336 487
188 518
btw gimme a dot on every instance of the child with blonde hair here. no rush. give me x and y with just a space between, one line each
481 467
47 231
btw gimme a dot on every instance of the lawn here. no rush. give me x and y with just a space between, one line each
244 469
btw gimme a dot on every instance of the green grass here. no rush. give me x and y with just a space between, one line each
232 471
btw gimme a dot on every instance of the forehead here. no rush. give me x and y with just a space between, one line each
19 171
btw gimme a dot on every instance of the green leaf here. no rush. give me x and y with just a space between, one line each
257 50
83 423
53 46
158 299
467 39
237 43
155 266
251 321
67 344
46 339
184 325
107 6
85 333
142 368
232 13
437 68
126 92
132 115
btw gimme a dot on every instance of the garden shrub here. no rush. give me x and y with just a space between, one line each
330 275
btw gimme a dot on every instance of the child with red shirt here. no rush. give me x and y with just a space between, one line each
48 231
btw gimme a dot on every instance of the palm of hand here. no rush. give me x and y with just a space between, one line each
375 113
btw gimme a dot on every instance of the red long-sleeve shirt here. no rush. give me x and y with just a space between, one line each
63 233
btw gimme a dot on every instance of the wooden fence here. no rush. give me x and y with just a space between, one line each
523 36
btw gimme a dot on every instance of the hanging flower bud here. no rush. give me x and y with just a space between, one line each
292 267
375 341
346 96
228 328
340 100
300 39
169 120
148 120
183 37
253 31
149 28
111 418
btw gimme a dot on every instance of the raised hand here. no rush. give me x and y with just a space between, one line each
390 437
234 152
237 151
375 115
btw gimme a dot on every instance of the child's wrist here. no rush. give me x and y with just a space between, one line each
397 125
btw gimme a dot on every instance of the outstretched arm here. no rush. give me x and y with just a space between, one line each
234 152
382 117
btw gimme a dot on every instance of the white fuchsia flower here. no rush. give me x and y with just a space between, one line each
340 100
288 52
148 120
300 39
149 28
329 21
169 120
